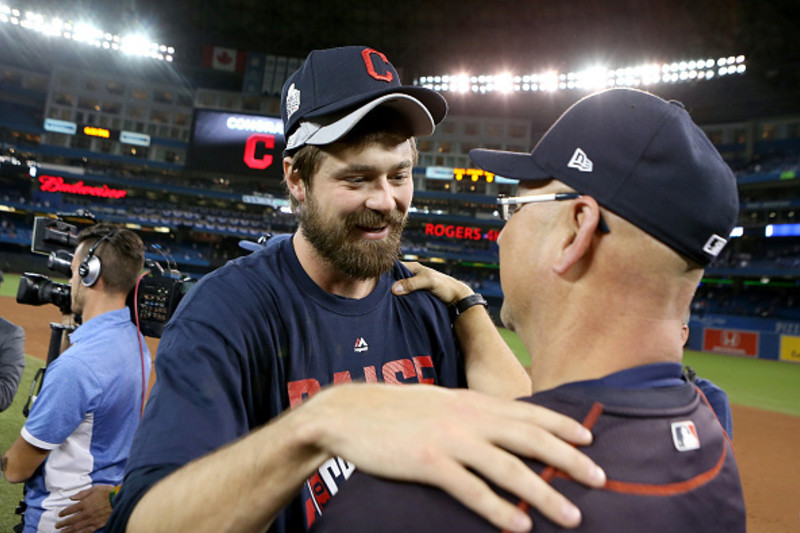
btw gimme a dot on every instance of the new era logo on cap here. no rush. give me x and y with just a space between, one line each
581 161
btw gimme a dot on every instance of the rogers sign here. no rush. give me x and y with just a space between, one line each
470 233
56 184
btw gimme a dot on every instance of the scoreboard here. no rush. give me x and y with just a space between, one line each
236 143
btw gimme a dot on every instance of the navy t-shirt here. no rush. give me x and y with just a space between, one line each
257 337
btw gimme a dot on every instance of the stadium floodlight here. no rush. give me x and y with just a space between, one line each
85 33
458 83
138 45
591 79
504 83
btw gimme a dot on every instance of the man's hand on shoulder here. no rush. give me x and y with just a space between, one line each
447 438
446 288
89 513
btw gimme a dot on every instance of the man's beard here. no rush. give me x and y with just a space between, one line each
336 241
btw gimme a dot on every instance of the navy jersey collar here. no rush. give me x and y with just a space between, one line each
641 377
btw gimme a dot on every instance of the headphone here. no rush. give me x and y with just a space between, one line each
91 266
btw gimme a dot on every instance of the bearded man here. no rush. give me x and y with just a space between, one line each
262 335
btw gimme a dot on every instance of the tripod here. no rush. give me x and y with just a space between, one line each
53 351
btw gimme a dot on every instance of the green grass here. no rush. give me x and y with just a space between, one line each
9 285
771 385
11 421
514 342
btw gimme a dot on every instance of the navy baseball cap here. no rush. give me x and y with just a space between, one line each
642 158
335 88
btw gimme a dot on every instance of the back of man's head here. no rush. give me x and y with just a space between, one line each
120 252
641 158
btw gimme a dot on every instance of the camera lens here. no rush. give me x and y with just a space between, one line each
61 262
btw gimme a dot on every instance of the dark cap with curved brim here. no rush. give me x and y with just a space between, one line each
335 88
642 158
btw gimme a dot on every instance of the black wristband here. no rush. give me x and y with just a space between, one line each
465 303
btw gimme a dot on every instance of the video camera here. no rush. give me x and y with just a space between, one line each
153 301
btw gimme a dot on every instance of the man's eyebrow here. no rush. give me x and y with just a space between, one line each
370 169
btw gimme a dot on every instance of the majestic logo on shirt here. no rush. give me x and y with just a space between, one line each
361 345
684 436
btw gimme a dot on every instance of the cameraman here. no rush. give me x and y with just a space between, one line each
80 427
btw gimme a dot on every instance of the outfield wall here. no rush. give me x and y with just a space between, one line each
763 338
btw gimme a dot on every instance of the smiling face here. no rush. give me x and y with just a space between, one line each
355 210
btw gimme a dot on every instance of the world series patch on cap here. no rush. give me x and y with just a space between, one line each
335 88
641 157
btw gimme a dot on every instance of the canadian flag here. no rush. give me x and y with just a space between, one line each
221 58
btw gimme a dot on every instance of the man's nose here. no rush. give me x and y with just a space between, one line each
381 196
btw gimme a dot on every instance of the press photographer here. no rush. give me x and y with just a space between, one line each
75 442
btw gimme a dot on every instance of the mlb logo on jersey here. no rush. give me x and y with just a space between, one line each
361 345
684 436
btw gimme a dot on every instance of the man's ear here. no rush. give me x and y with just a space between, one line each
293 181
584 218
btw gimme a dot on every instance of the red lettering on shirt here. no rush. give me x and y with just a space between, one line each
301 390
421 362
405 367
396 372
341 377
370 376
320 493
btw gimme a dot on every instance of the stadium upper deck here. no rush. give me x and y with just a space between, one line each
84 129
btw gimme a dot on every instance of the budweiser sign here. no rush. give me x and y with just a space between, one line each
56 184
